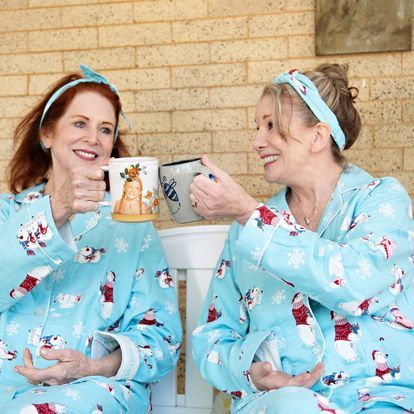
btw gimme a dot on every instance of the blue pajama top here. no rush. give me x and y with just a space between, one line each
342 295
93 286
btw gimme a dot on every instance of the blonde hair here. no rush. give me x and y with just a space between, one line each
331 81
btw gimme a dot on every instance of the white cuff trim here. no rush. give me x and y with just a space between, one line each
103 343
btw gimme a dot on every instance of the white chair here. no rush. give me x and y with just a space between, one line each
192 254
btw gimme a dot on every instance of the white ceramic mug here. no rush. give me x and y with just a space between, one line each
176 178
134 188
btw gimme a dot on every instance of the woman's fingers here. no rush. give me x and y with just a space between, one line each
265 378
27 358
217 171
71 365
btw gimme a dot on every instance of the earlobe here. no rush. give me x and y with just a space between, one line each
45 140
321 138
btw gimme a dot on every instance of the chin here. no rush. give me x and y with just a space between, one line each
273 179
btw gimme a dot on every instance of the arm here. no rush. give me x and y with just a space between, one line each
31 233
150 334
345 276
71 365
224 346
31 247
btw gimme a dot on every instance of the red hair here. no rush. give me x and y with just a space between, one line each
30 164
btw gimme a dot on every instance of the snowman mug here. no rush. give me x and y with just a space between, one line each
134 188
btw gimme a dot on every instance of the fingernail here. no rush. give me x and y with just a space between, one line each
44 351
16 369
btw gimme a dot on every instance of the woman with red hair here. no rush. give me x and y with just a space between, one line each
71 336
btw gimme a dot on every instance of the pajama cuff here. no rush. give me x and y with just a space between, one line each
257 233
103 343
58 245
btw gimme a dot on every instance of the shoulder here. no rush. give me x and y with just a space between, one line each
387 187
6 203
365 184
388 198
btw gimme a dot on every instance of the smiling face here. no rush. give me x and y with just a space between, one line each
283 159
132 189
84 135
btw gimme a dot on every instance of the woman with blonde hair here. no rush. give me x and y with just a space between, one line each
315 311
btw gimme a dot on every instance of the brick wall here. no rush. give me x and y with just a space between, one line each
190 72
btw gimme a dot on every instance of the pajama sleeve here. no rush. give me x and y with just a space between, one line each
357 275
30 247
223 347
150 331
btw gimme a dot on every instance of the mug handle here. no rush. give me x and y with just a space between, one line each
104 203
202 169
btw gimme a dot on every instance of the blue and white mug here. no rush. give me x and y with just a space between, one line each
176 178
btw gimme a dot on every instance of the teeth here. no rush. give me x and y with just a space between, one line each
86 154
270 158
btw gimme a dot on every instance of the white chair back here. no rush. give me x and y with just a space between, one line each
192 254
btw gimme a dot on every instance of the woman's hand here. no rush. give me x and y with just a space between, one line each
265 378
71 365
220 198
81 192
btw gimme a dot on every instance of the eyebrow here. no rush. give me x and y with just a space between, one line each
85 117
263 117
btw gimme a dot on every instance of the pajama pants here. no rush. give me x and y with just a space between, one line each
75 398
296 400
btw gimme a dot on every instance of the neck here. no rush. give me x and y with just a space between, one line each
308 197
49 186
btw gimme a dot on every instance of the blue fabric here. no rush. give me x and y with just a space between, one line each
104 289
307 90
342 295
90 76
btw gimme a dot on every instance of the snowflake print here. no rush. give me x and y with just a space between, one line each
281 342
213 336
170 308
146 242
317 350
58 274
71 393
256 254
158 354
364 269
321 251
12 328
386 210
91 222
296 258
397 187
278 297
77 329
134 301
121 245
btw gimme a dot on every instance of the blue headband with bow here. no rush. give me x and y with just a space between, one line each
90 76
307 90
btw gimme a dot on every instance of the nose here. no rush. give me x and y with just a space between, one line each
259 140
92 135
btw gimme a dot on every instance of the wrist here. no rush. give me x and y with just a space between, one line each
58 214
248 209
107 366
